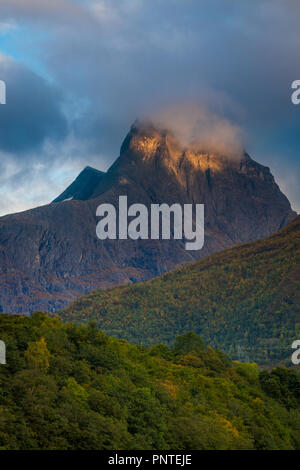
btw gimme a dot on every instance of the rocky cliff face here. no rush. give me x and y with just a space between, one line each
51 255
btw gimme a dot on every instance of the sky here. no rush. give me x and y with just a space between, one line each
79 72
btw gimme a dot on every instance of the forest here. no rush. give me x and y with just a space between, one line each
243 300
73 387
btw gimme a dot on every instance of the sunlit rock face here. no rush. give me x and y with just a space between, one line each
50 255
147 146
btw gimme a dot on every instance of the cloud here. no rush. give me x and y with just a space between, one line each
33 110
111 62
32 181
7 27
197 125
52 10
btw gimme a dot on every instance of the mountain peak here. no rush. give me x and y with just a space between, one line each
83 186
143 138
160 147
242 203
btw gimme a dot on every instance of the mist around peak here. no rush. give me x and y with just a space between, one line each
197 127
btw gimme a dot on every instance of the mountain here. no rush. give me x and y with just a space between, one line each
83 186
244 300
67 387
50 255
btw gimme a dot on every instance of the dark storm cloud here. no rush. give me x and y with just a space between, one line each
131 57
32 113
118 60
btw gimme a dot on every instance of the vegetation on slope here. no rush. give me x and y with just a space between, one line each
69 387
244 301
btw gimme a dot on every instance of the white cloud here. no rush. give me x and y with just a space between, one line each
194 124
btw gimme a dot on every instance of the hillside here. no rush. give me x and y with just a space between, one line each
50 255
244 301
68 387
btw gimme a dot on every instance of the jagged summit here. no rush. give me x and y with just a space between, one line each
146 136
149 151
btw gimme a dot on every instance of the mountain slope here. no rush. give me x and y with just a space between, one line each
66 387
245 301
50 255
